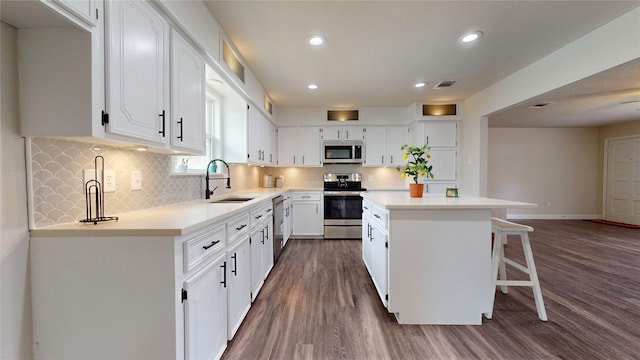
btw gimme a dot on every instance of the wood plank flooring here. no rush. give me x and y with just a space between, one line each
319 303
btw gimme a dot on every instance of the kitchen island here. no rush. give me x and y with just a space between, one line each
430 258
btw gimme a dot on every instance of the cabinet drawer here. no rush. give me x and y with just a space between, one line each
202 246
307 196
366 208
380 216
259 215
238 226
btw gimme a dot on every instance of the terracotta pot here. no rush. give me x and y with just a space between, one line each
416 190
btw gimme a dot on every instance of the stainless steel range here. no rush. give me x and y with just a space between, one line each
342 206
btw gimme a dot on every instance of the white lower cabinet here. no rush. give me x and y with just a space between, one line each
239 284
148 297
308 213
375 245
261 240
288 219
205 311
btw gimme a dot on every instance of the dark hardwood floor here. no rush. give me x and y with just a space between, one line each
319 303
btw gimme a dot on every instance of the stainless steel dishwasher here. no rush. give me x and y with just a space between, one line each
278 226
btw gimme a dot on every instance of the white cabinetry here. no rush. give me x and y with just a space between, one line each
262 136
382 145
138 72
187 96
205 307
261 247
337 133
442 138
239 283
375 242
84 10
299 146
288 218
308 213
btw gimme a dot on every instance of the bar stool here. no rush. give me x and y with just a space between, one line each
502 228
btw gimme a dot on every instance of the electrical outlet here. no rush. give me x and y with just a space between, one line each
109 181
136 180
370 178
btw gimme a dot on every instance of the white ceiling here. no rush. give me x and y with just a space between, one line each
377 50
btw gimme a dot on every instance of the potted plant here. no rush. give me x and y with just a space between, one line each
417 165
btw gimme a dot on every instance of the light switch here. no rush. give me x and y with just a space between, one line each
136 180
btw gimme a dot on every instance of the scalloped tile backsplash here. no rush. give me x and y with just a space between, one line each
58 191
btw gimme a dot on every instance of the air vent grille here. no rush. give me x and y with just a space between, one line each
444 84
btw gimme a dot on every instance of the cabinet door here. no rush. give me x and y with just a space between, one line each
255 135
206 312
375 149
307 218
287 146
268 142
309 146
353 132
440 133
367 244
267 250
82 9
137 64
239 290
396 137
444 163
379 259
187 97
331 133
257 259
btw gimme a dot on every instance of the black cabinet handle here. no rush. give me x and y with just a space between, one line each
258 217
235 264
162 132
266 232
241 227
180 122
224 274
262 237
210 245
377 216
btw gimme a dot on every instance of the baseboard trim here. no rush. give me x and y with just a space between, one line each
553 216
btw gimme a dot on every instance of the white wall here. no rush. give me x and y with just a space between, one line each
556 168
613 44
15 300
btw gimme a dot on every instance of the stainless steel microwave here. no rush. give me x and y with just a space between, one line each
342 152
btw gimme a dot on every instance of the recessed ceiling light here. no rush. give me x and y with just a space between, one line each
420 84
471 36
312 86
316 40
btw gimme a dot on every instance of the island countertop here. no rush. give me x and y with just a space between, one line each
401 200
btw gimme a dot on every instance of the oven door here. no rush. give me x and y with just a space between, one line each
342 215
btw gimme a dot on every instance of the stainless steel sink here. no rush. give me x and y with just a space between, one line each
232 200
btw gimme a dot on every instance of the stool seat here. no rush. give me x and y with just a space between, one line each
501 228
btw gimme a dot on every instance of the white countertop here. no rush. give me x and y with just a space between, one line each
171 220
401 200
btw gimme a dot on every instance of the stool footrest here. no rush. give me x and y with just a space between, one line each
514 282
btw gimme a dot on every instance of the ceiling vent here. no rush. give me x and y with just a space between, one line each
540 105
342 115
444 84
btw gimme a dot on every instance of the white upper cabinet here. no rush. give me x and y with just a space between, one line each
440 133
138 68
338 133
187 96
383 143
299 146
262 133
84 10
